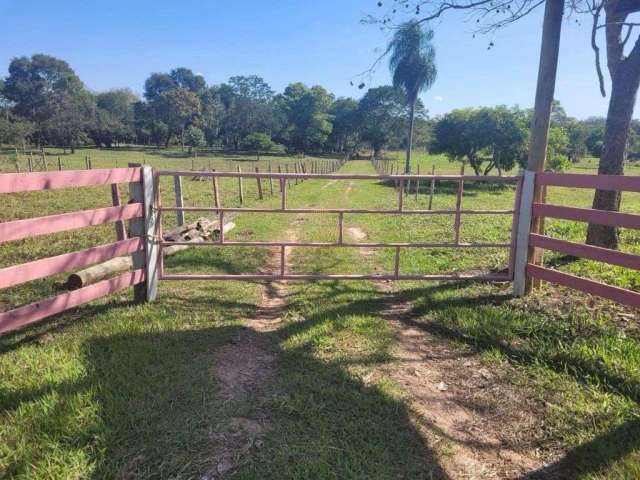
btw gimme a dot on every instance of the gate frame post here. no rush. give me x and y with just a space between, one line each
523 229
145 192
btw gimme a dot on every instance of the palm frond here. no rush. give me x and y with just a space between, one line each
412 59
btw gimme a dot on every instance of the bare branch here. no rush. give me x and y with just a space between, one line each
627 36
622 24
596 48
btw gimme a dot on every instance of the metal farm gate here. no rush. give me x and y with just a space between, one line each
400 181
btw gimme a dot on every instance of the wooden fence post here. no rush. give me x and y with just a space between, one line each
240 192
177 188
433 186
270 180
458 218
121 232
216 192
259 180
522 234
545 91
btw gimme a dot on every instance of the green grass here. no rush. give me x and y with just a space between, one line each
114 389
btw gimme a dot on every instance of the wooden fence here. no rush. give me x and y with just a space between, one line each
530 211
138 212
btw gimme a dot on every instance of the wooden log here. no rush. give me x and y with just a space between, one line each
200 231
99 272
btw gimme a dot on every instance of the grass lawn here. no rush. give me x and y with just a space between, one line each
120 390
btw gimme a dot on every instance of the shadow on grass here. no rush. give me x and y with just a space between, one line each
535 342
56 324
595 456
153 412
531 342
157 413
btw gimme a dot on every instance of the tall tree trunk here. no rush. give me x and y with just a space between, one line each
624 90
407 165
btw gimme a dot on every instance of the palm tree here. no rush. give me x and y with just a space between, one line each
413 67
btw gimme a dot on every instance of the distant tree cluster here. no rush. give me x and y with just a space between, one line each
497 138
44 103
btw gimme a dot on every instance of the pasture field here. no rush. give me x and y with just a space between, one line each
120 390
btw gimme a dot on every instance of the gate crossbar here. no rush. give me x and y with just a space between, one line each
399 180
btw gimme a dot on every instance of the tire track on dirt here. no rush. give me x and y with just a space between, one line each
244 369
475 418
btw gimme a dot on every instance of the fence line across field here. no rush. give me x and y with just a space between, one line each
144 241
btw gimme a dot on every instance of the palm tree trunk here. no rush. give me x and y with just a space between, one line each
407 166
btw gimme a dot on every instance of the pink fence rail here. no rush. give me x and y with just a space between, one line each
38 269
604 255
400 209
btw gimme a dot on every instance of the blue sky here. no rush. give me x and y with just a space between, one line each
118 43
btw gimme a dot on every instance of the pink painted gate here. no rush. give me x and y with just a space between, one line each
283 179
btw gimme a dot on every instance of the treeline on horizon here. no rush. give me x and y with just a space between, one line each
44 103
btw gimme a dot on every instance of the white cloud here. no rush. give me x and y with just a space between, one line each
438 98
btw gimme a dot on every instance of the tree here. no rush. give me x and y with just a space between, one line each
114 122
457 135
506 132
623 63
344 135
595 137
247 108
194 138
577 133
158 133
71 116
14 131
380 117
46 91
307 115
412 64
177 108
185 78
252 86
486 138
258 142
212 115
558 150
